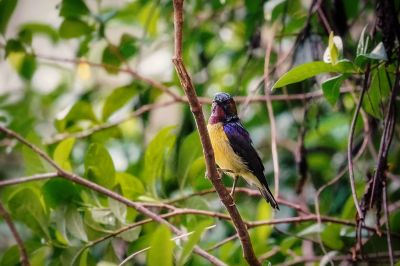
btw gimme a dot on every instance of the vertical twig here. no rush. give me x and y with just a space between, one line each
267 92
386 213
211 169
350 143
23 256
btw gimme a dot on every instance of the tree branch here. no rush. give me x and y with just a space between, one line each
15 181
95 187
195 107
23 256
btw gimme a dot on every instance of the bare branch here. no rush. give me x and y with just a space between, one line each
23 256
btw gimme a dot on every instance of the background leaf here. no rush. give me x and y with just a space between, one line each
161 248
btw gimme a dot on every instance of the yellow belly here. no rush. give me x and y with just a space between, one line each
225 157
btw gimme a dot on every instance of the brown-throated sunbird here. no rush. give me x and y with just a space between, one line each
233 149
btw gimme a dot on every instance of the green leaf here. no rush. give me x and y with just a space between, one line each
41 28
10 256
155 156
118 209
117 99
362 46
62 153
58 192
378 53
111 58
192 241
375 98
40 255
333 50
80 111
161 248
308 70
131 234
331 88
264 213
27 66
99 166
73 28
6 10
33 163
127 46
26 207
74 224
14 46
73 8
331 236
131 186
188 153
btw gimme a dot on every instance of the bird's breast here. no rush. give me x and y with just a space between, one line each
225 157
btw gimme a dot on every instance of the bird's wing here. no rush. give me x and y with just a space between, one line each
240 141
241 144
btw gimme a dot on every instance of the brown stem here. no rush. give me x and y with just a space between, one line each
350 144
195 107
23 256
20 180
270 110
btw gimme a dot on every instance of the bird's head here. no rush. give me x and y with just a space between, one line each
223 109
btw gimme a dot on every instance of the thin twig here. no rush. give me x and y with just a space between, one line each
270 109
387 223
19 180
377 257
350 144
23 256
95 187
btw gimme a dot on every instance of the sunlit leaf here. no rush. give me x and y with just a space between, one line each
118 209
161 248
264 213
99 166
73 28
155 156
190 150
74 223
192 241
131 186
41 29
62 153
117 99
26 207
308 70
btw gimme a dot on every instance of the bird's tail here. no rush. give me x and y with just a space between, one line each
266 193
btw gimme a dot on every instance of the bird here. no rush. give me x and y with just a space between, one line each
233 149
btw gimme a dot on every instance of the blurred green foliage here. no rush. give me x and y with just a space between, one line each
86 122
